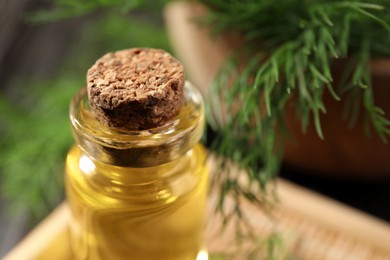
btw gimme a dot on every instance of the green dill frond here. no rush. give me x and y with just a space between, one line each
301 41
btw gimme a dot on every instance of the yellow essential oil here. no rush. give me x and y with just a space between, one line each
137 194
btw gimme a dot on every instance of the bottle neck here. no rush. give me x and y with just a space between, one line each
144 148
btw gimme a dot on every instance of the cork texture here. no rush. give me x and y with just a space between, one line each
136 89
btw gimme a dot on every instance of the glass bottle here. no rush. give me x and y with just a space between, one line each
137 194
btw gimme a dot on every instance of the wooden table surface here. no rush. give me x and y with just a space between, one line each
309 226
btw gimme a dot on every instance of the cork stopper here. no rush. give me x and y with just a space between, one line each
136 89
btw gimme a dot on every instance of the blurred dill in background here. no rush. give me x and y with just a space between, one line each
34 98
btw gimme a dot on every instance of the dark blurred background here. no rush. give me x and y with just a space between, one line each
44 57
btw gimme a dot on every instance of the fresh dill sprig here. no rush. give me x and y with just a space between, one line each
292 46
